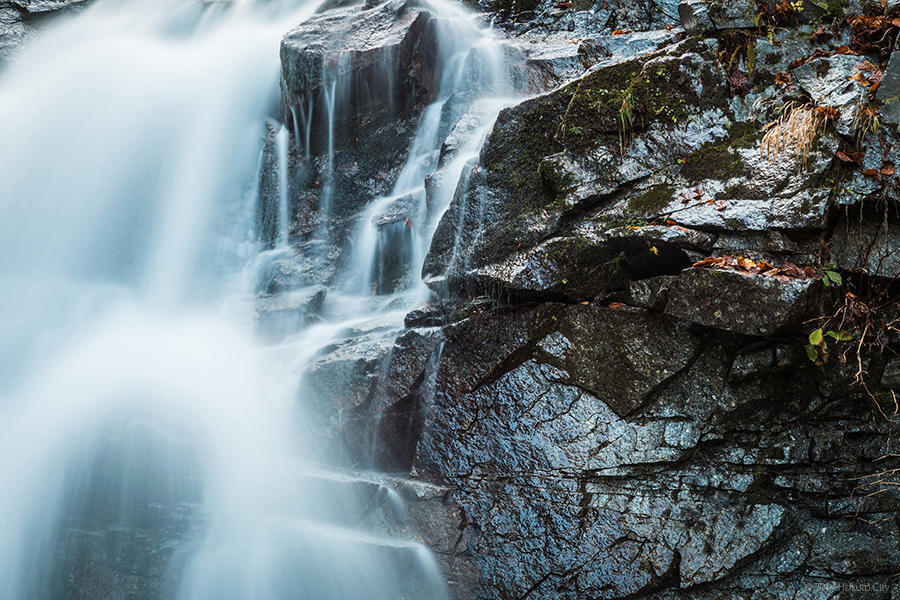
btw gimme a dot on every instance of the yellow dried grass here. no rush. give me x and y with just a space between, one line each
794 131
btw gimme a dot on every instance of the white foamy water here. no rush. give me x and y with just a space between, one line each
144 423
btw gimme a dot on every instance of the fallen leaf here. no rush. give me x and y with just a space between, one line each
850 157
616 305
860 79
784 79
866 66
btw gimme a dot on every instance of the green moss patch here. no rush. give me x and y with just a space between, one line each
612 104
652 201
719 159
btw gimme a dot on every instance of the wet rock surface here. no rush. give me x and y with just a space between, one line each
584 413
612 422
20 19
368 62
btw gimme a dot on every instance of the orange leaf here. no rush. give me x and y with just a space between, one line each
858 78
887 168
616 305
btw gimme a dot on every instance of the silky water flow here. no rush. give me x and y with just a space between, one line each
155 445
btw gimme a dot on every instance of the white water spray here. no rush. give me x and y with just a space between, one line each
142 418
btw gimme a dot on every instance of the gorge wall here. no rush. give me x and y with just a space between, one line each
600 418
659 355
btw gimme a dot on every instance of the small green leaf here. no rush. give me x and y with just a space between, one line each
841 336
815 338
835 277
813 353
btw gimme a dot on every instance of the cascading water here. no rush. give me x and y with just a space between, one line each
153 444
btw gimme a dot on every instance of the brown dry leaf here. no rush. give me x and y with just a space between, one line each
887 167
621 31
866 66
784 79
860 79
850 157
747 266
745 263
616 305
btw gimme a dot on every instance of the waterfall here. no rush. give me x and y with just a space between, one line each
282 140
143 415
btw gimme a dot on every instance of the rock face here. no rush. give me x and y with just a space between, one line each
364 63
611 422
20 18
602 453
584 413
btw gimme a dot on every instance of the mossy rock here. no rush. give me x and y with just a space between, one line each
652 201
611 105
719 159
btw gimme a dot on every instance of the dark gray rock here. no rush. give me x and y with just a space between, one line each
746 304
889 90
42 6
711 16
827 81
711 481
364 395
870 245
21 19
371 62
652 293
559 156
890 378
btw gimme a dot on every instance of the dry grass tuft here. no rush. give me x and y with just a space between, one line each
794 131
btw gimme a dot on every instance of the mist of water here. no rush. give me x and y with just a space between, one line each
142 416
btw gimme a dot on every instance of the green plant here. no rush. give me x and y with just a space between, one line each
626 120
831 276
817 348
